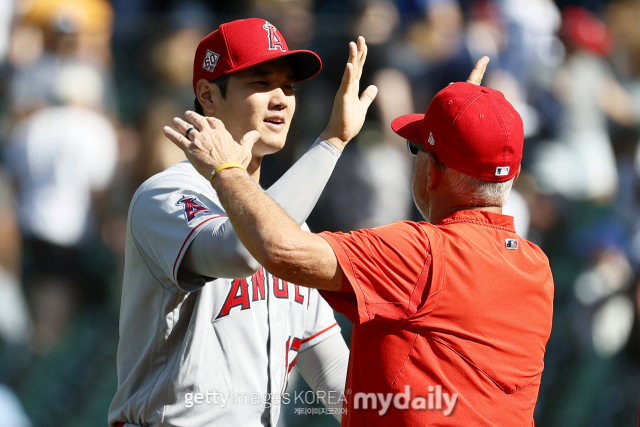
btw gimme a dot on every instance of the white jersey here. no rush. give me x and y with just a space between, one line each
59 156
187 342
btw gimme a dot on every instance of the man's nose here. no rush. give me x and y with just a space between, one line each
279 99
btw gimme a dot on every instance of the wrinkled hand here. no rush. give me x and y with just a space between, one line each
349 110
209 144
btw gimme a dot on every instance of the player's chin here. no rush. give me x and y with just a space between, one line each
271 142
266 146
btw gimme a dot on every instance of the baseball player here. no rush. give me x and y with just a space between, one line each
451 316
208 336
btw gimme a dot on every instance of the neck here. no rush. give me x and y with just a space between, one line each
437 213
254 168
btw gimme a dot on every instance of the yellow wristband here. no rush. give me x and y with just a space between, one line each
225 166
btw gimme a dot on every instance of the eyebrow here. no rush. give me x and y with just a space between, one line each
267 73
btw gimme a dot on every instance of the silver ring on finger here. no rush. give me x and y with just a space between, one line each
189 130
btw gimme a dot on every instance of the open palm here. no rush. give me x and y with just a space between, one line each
349 109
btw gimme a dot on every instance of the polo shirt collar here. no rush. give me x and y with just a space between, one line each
477 216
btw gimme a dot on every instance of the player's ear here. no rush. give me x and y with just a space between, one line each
209 96
517 173
436 170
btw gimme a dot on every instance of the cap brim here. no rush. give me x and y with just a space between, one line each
408 127
305 64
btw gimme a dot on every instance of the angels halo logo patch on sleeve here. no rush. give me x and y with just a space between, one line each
192 207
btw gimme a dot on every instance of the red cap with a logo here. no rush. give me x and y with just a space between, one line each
245 43
471 129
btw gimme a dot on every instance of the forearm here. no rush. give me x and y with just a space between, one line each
324 367
273 238
299 189
217 251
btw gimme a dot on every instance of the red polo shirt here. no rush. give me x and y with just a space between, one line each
450 322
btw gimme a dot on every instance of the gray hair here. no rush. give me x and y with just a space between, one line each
478 192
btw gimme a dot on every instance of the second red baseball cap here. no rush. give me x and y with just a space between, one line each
471 129
586 30
245 43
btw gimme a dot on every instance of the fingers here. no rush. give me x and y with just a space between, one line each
478 71
353 60
177 138
183 127
346 79
198 121
368 96
362 56
215 123
357 57
249 139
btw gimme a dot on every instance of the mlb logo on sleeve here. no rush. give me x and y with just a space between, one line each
511 243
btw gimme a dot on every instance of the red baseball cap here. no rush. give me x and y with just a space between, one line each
586 30
245 43
471 129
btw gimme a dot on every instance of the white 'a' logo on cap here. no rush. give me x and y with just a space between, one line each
502 170
210 61
431 140
274 39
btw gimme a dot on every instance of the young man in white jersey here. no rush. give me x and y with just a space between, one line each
197 348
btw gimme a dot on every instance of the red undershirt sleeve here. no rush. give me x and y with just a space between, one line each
386 272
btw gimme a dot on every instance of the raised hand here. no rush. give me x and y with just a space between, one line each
478 71
209 144
349 109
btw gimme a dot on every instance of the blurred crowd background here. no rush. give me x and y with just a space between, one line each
86 86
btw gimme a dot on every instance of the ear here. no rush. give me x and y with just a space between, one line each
435 171
209 96
517 173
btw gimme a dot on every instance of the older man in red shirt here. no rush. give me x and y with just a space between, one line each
451 316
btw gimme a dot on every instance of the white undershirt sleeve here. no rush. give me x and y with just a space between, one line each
217 252
324 367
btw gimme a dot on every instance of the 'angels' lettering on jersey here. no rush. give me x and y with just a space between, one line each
240 296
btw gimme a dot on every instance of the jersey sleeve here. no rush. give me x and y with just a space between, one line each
320 324
165 218
386 272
